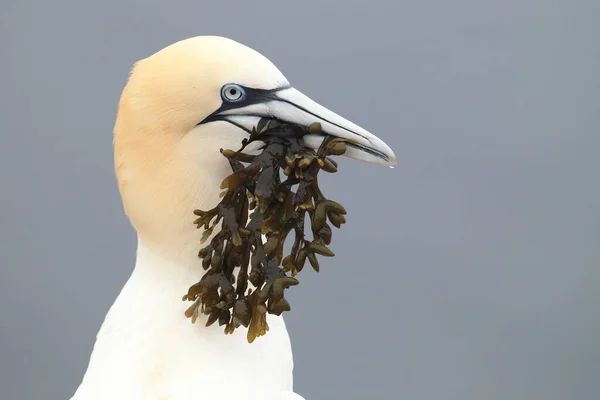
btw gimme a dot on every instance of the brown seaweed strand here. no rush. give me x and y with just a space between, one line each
256 204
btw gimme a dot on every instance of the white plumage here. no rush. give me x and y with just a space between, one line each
173 118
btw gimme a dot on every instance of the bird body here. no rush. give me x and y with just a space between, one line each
179 107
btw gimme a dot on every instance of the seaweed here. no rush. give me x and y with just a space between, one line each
246 270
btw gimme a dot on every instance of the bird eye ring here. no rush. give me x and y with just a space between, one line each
233 93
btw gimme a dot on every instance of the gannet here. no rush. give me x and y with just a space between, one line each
179 107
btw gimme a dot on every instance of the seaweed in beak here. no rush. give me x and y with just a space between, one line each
247 271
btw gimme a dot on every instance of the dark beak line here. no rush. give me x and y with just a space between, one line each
258 96
355 145
370 151
319 117
223 118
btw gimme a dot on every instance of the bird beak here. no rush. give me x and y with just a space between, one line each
291 106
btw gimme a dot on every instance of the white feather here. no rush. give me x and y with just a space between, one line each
147 349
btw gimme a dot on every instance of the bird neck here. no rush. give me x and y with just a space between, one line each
147 348
163 181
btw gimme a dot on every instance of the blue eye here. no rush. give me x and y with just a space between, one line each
233 93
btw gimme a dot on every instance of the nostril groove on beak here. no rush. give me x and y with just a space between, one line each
323 119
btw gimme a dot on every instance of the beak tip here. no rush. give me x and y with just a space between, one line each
391 162
391 158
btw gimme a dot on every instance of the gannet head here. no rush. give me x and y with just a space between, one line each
187 101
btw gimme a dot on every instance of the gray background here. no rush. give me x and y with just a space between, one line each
471 271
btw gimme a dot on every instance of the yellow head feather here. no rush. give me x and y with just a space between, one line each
166 165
